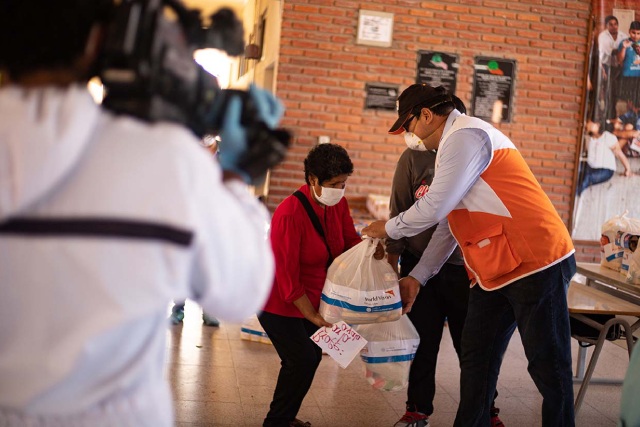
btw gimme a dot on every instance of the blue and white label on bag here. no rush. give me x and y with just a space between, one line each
362 301
612 251
390 351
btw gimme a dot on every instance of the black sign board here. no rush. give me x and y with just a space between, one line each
437 69
493 81
381 96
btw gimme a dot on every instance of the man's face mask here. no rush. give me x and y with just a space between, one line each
413 141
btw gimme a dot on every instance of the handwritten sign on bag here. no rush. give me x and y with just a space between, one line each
340 342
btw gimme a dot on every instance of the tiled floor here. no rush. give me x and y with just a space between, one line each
219 379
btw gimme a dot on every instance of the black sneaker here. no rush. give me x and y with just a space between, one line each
298 423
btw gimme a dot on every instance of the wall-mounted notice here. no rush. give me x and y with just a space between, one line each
437 69
381 96
375 28
493 82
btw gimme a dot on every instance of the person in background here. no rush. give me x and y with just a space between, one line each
603 149
177 310
302 257
177 315
608 43
515 246
629 120
442 298
626 128
629 59
104 219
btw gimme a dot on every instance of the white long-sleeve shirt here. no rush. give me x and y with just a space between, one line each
606 44
103 221
462 159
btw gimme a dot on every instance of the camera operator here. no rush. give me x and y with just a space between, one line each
104 219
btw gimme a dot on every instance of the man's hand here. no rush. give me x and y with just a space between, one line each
269 108
376 230
233 136
409 288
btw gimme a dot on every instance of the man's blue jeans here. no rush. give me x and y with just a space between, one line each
593 176
537 304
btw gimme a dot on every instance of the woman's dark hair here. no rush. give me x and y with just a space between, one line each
326 161
50 34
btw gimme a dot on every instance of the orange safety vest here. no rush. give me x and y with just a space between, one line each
505 225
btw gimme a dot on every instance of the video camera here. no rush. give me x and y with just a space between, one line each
148 71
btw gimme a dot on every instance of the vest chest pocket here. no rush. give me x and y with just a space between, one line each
490 254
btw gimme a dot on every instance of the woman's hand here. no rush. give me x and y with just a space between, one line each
379 253
306 308
319 321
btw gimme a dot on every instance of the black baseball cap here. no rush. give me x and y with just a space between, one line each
419 95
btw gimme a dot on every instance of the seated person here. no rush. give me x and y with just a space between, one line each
601 164
627 128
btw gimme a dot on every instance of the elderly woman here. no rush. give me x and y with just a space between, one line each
302 256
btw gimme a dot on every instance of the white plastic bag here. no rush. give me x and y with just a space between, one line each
251 330
628 241
610 252
388 354
615 249
633 275
361 289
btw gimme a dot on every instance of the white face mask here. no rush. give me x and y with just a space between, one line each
330 196
414 142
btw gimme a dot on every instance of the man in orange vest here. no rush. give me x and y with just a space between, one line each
517 251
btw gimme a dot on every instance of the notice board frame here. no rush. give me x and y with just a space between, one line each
432 67
491 78
377 99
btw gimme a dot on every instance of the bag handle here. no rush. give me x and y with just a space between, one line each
315 221
372 244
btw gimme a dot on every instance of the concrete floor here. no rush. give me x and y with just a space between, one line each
219 379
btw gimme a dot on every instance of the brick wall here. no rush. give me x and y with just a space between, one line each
322 74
